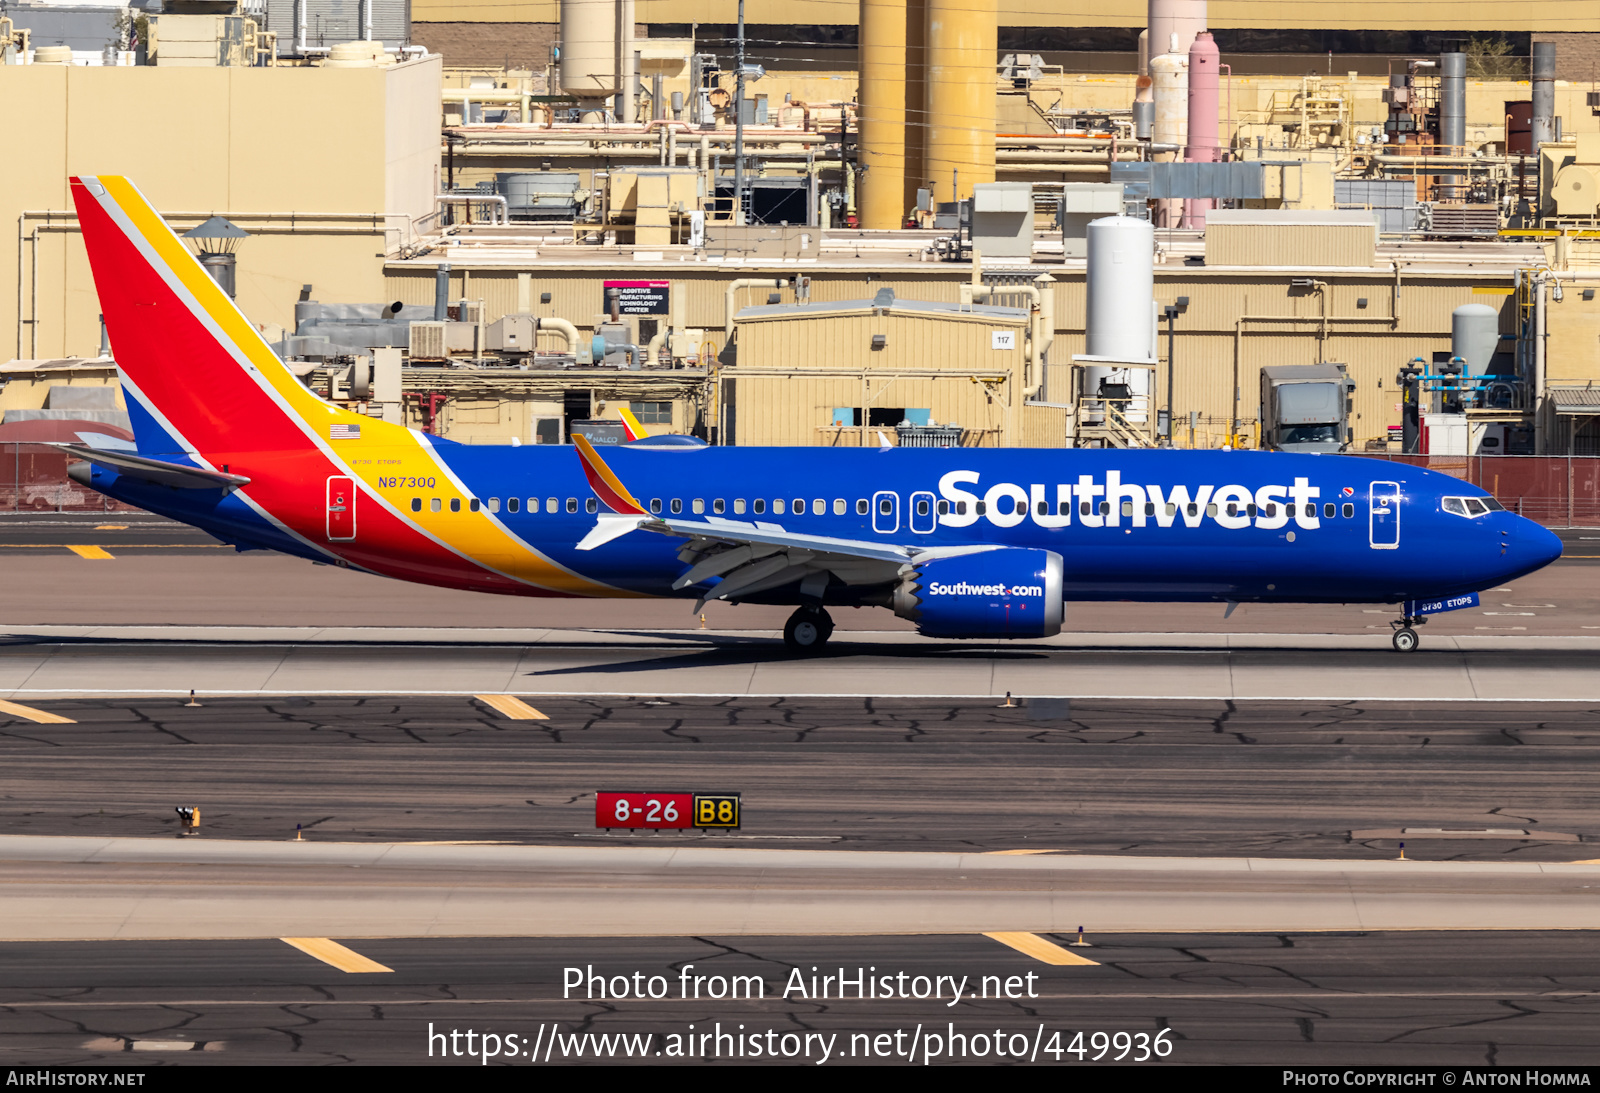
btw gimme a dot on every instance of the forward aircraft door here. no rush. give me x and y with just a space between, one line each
1383 520
341 509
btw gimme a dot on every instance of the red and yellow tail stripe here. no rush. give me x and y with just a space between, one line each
205 373
632 427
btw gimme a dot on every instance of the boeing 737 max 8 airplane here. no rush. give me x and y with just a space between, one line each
967 543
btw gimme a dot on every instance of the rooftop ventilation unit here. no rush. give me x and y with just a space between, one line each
427 342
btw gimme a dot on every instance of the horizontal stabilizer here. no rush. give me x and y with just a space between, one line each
158 471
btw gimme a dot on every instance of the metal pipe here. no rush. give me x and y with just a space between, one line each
561 327
1538 360
653 349
734 286
441 292
738 135
478 199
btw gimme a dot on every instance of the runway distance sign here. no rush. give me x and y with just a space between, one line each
666 811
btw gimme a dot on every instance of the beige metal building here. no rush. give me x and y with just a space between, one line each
328 169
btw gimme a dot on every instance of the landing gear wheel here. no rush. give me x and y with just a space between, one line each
1405 639
807 630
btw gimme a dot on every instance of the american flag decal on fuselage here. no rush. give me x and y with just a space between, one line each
344 432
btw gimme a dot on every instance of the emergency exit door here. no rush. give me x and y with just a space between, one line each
341 509
1383 515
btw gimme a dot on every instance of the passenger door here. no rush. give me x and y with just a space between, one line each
1383 515
885 512
923 517
341 509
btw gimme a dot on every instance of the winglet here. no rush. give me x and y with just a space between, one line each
632 425
606 485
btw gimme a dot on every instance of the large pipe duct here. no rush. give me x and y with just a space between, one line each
963 46
1205 95
441 292
589 68
881 114
1169 80
1185 18
1544 93
916 99
1452 119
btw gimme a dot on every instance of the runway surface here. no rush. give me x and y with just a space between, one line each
1216 778
1362 998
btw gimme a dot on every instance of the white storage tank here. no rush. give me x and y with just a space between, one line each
1169 78
1474 336
589 53
1119 290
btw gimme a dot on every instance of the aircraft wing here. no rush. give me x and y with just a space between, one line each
157 471
748 557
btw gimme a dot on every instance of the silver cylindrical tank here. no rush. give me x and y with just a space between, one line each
1120 285
589 53
441 292
1144 119
1544 92
1474 336
1452 120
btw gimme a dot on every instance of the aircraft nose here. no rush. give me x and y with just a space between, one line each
1531 546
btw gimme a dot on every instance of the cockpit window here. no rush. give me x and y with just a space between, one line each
1470 506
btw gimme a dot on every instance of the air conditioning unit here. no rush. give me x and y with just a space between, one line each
427 342
472 311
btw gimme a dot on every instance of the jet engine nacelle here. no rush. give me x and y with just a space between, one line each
1010 592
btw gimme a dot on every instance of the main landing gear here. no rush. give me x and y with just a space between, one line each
1405 638
807 630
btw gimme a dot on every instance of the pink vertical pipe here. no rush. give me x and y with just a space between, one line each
1205 86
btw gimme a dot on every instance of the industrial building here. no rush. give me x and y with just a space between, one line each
783 253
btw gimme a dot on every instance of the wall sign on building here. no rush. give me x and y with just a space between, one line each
639 297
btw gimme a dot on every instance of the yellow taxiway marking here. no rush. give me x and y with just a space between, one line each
89 552
1017 853
1037 947
331 952
28 713
514 708
112 527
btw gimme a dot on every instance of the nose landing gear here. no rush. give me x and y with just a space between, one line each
1405 637
807 630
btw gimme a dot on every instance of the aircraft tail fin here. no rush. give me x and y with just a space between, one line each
632 425
198 376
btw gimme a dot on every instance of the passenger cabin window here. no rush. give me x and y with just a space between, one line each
981 508
433 504
572 504
591 505
1105 508
474 504
1327 512
839 507
1127 508
862 506
1349 511
494 504
677 506
777 507
799 506
416 504
886 506
655 504
455 504
552 504
758 506
513 504
719 506
1149 508
922 507
819 507
738 506
698 505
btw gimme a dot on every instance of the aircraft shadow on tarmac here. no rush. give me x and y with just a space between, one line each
744 651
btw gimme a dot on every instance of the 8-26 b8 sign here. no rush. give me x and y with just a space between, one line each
666 810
